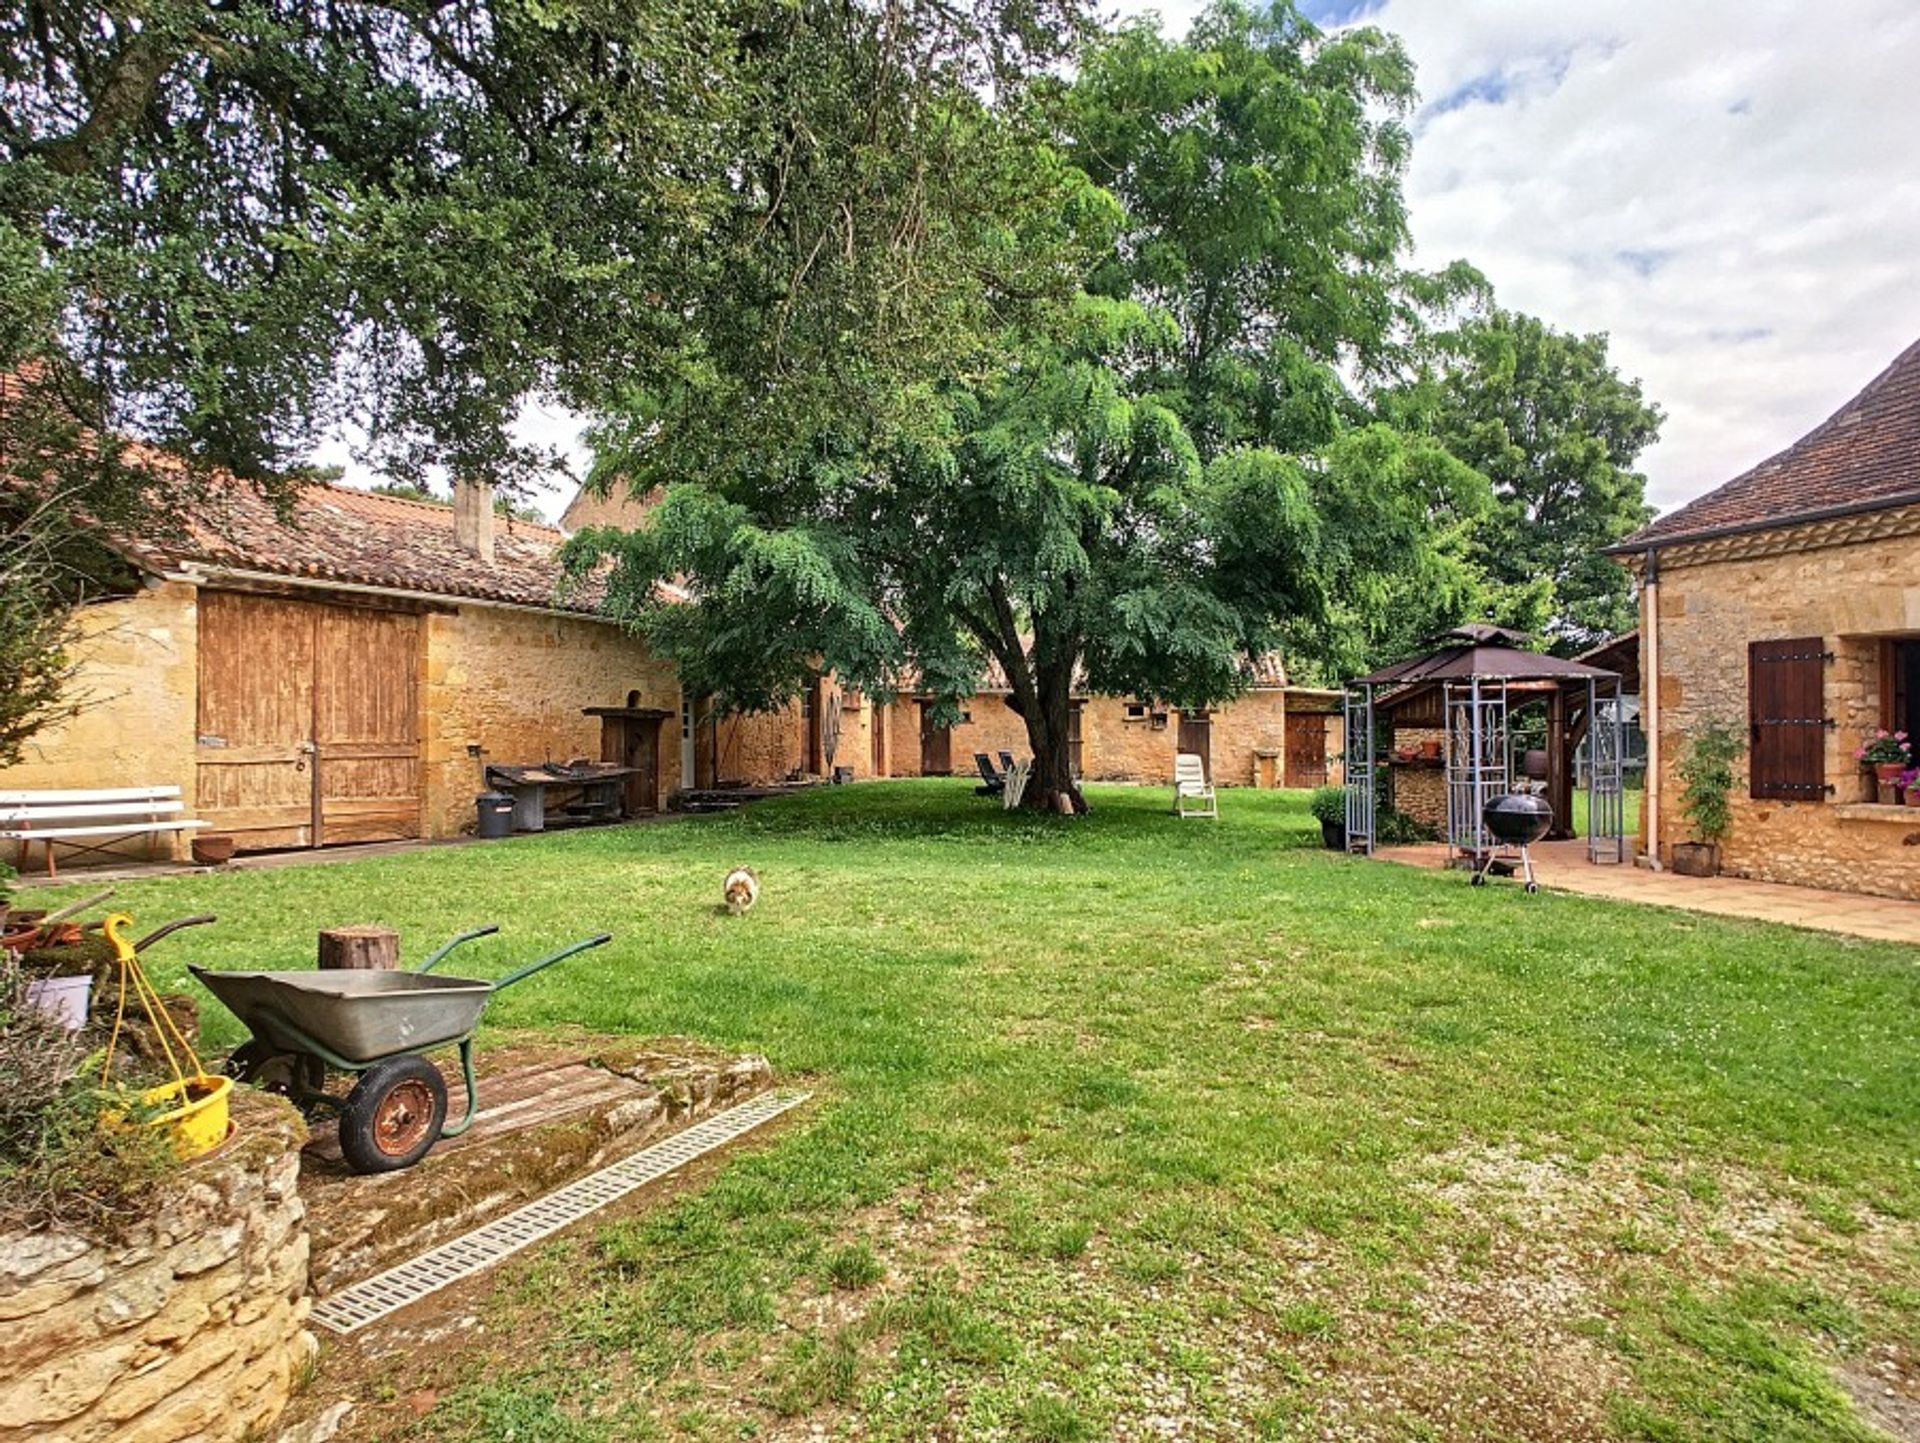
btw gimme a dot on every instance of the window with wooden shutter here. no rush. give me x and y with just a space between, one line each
1786 712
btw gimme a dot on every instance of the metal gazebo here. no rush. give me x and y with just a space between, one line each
1467 688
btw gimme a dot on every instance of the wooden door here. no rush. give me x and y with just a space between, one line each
1196 736
936 745
878 715
308 722
632 741
1306 749
254 720
366 723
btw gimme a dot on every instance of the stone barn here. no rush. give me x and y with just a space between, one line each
1787 604
344 671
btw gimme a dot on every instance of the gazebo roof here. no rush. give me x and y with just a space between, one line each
1489 653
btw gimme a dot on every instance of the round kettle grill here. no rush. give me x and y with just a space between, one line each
1514 821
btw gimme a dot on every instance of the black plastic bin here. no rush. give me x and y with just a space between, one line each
496 814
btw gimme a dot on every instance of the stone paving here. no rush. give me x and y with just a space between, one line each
1564 867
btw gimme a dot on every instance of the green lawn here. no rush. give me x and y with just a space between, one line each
1130 1127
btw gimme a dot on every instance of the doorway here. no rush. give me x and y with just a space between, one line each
686 744
1306 762
936 745
307 721
1196 736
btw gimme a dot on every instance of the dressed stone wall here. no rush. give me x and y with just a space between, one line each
514 684
1850 596
190 1326
138 677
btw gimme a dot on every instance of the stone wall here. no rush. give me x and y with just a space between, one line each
139 670
1850 596
189 1326
514 683
1113 747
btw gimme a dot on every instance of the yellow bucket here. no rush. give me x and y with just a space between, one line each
198 1121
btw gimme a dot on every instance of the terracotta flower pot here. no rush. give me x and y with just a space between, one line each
212 851
1889 771
1913 796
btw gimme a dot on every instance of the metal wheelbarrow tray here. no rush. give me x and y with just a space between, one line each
358 1017
374 1024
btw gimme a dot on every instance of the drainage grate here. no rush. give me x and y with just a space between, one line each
408 1282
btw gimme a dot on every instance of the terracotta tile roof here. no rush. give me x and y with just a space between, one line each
1866 452
340 534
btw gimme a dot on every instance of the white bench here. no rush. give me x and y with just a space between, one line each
90 821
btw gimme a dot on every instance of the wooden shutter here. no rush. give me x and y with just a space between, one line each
1786 712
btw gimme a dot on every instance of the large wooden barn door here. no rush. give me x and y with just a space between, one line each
367 724
255 719
308 722
1306 749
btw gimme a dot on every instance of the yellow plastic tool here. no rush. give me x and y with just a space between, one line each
196 1103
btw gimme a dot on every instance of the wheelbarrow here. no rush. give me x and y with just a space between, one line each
374 1025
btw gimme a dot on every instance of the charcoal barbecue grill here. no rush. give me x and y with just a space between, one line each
1514 822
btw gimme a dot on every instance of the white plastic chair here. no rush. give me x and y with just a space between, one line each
1192 793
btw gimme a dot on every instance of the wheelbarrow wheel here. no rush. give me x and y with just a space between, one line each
393 1115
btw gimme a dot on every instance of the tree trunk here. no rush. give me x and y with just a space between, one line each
1052 787
360 949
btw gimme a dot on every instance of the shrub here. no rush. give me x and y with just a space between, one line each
1329 804
1394 828
58 1162
1707 778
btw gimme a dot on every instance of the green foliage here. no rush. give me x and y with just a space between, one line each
1141 469
1329 804
1707 778
1394 828
1546 418
58 1161
226 229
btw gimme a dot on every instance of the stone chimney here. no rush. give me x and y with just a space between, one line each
473 517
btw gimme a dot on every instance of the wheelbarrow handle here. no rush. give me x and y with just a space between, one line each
438 957
548 961
172 927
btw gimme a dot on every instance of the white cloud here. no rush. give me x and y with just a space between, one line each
1726 187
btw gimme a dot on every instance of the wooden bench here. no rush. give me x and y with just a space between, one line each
90 821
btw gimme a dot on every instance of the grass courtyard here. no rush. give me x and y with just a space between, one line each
1133 1128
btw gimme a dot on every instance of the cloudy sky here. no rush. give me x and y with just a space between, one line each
1729 188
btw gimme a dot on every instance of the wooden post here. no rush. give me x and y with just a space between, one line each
361 949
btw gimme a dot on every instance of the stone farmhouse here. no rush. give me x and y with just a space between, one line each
348 670
1274 734
1787 602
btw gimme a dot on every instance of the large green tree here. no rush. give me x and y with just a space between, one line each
228 228
1549 421
1133 487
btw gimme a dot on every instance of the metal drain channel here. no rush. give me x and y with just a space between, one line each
373 1298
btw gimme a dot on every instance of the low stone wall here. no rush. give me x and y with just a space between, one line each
190 1325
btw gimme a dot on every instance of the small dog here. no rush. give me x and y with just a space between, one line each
742 890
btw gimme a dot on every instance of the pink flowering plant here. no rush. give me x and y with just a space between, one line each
1885 749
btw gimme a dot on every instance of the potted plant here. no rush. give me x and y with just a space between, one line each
1890 754
1706 781
1329 807
1910 782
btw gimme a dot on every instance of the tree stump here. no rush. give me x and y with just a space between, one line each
360 949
